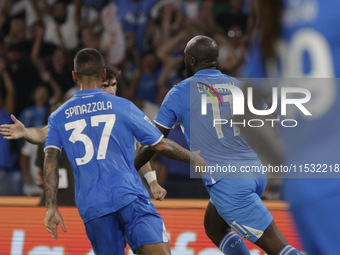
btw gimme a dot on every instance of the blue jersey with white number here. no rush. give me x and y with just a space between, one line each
97 131
309 47
218 144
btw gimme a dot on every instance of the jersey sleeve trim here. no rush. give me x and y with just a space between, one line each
52 146
157 140
162 125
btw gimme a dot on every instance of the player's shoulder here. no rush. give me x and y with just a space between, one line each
124 105
59 110
120 100
182 84
232 80
178 89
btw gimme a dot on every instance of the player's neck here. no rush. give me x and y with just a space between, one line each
206 66
91 84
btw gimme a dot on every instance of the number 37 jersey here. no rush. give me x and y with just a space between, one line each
97 131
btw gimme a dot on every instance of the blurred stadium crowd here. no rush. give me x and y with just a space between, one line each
144 39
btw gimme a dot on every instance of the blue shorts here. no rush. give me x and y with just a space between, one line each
238 202
138 223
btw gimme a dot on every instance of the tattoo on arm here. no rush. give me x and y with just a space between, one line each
172 150
51 176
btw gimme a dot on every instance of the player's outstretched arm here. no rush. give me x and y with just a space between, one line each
18 130
51 180
157 190
174 151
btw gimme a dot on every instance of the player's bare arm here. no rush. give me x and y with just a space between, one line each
51 181
18 130
174 151
158 192
145 153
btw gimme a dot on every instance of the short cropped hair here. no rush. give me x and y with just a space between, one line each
111 72
88 62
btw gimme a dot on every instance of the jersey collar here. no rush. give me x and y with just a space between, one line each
88 91
208 72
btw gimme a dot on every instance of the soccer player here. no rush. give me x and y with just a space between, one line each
234 200
38 135
97 131
302 41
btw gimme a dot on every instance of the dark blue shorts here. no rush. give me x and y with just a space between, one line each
137 223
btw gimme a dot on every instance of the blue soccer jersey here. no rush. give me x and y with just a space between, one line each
220 143
97 131
309 48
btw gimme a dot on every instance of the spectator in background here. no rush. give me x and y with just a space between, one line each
5 7
167 20
113 39
35 116
60 70
32 10
23 73
171 55
148 75
40 49
17 31
134 15
233 17
66 179
191 10
144 86
62 23
88 38
6 107
96 4
232 50
29 170
227 23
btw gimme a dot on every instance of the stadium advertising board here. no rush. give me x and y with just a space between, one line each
22 232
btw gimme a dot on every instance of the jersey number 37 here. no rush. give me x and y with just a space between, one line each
77 136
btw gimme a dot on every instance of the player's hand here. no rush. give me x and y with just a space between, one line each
198 161
13 131
157 191
52 220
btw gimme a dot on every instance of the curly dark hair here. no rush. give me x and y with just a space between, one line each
111 72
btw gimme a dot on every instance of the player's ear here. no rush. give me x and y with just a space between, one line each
193 61
74 76
104 75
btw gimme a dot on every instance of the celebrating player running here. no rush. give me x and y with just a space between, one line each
99 143
234 199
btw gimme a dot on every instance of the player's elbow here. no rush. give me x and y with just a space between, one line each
159 147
